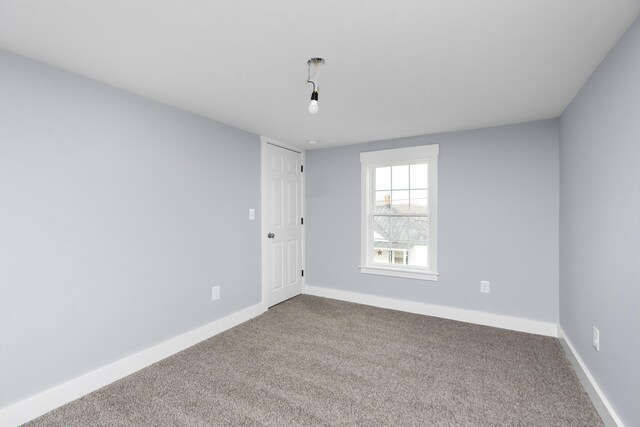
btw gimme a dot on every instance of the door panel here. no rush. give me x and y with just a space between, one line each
277 202
294 268
283 213
277 253
292 217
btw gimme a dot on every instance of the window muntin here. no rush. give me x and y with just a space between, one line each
399 212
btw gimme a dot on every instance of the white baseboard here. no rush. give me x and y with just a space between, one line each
460 314
600 401
37 405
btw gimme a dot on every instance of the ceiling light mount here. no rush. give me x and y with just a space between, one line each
312 77
315 62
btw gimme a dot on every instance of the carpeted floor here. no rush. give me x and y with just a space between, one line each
315 361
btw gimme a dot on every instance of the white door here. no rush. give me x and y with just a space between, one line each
283 231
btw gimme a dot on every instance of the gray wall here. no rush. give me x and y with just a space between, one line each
498 221
600 224
117 215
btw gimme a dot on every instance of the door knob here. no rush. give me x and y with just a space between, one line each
271 235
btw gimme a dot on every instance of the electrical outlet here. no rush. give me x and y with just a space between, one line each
252 214
484 287
596 338
215 293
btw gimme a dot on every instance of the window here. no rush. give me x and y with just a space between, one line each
399 212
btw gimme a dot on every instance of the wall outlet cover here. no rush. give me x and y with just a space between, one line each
485 287
596 338
215 293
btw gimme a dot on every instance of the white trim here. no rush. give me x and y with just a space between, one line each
32 407
368 161
267 140
395 272
264 140
463 315
304 229
263 218
400 154
591 385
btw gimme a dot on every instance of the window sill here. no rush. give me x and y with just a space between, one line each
407 274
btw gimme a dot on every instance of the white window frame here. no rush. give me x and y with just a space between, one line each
398 156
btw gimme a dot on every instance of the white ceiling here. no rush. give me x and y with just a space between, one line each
394 68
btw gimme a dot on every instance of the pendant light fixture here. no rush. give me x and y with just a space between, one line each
312 77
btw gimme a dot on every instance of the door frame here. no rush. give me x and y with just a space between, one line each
264 140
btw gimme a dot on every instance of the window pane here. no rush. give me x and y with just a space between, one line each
419 201
398 229
407 239
419 176
381 227
418 230
400 177
383 178
417 236
406 229
401 240
418 256
381 256
399 256
381 253
383 199
400 201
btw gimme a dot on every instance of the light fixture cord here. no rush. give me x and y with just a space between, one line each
309 77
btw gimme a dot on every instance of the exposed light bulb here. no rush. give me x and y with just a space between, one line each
313 79
313 105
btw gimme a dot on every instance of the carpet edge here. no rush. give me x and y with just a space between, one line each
48 400
502 321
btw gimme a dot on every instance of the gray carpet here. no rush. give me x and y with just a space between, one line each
315 361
